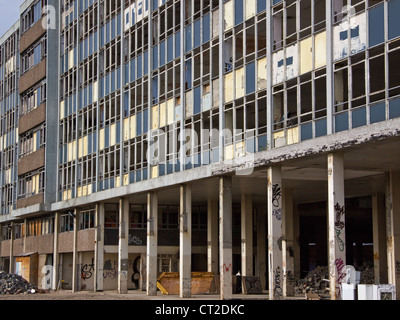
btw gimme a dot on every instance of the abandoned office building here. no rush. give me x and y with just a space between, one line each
148 136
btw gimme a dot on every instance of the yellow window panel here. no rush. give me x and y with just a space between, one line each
126 129
79 192
306 55
155 117
250 8
228 19
189 104
80 148
279 138
170 111
320 50
62 105
262 74
293 135
101 138
154 172
95 92
229 152
126 179
239 77
85 146
163 114
229 88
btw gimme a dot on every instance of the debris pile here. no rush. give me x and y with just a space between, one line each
367 275
15 284
316 281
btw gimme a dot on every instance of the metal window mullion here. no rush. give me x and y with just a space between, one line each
329 67
269 28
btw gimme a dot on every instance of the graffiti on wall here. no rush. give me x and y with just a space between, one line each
87 270
339 226
276 196
340 273
277 283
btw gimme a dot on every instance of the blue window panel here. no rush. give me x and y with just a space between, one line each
133 69
377 113
113 76
155 90
90 44
145 174
206 157
139 67
170 167
177 44
262 143
393 18
119 78
188 38
90 94
206 28
177 165
394 109
155 4
251 145
306 132
139 126
376 25
132 177
94 141
90 150
161 170
320 128
146 62
117 134
359 117
250 78
261 5
126 76
170 48
95 41
107 137
197 33
119 24
342 122
238 12
276 1
113 29
126 104
197 100
162 53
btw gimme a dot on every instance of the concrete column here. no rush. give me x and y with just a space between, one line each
56 255
152 238
275 233
393 228
296 243
185 247
75 253
288 244
123 245
247 235
261 267
379 237
225 234
99 248
212 237
336 223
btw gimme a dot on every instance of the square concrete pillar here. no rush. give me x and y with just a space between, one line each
379 238
75 287
225 233
185 247
275 235
247 235
288 244
152 239
212 237
123 245
261 266
336 223
99 248
393 228
56 255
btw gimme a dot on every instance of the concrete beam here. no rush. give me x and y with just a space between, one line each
275 235
75 254
56 255
152 239
336 223
185 248
225 233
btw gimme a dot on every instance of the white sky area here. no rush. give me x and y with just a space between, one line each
9 14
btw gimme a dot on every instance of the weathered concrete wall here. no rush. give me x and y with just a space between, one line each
40 244
86 240
23 203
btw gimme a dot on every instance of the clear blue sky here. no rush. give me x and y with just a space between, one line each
9 14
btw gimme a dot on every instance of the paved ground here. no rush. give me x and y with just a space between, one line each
132 295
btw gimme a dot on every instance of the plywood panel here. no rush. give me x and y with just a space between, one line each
113 132
293 135
133 127
163 114
154 117
170 111
250 8
101 139
262 74
229 17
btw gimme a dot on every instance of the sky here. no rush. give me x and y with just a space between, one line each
9 14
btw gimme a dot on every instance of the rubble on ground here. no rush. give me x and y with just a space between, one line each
15 284
316 282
